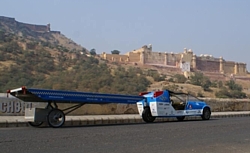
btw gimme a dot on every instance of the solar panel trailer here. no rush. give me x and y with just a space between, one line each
150 105
54 116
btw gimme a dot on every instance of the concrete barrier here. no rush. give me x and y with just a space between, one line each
221 105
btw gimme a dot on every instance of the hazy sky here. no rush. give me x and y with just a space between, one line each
214 27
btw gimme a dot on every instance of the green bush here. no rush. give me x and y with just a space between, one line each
196 79
180 78
171 80
200 80
233 86
155 75
232 90
220 84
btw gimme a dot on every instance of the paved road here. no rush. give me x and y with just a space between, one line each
225 135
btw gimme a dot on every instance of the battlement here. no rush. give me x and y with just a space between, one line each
32 27
7 19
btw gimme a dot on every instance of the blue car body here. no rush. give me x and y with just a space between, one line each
171 104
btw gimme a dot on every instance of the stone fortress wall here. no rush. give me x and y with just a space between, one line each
33 27
186 61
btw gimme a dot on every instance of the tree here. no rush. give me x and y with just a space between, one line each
233 86
180 78
220 84
93 52
233 91
206 83
197 78
200 80
84 50
115 52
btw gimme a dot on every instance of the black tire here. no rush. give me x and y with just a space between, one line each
180 118
35 124
56 118
147 116
206 114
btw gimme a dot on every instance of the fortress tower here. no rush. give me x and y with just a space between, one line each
221 65
48 27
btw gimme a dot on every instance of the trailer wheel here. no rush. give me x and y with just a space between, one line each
180 118
147 116
56 118
35 124
206 114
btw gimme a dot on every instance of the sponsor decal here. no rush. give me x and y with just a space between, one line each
160 112
153 111
190 106
163 98
178 112
191 111
14 107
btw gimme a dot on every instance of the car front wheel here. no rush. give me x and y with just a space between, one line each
147 116
206 114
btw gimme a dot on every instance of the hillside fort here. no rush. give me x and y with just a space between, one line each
186 61
33 27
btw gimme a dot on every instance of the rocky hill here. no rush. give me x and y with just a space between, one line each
35 56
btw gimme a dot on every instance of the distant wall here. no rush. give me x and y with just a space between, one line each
173 59
33 27
37 28
154 57
134 57
206 65
114 57
7 19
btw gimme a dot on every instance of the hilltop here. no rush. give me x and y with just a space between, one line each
17 38
41 33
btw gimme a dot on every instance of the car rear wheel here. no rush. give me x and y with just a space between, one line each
56 118
147 116
206 114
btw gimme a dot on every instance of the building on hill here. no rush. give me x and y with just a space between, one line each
186 61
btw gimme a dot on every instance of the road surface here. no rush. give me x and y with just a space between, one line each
225 135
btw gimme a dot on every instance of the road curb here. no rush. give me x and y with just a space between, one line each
115 120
